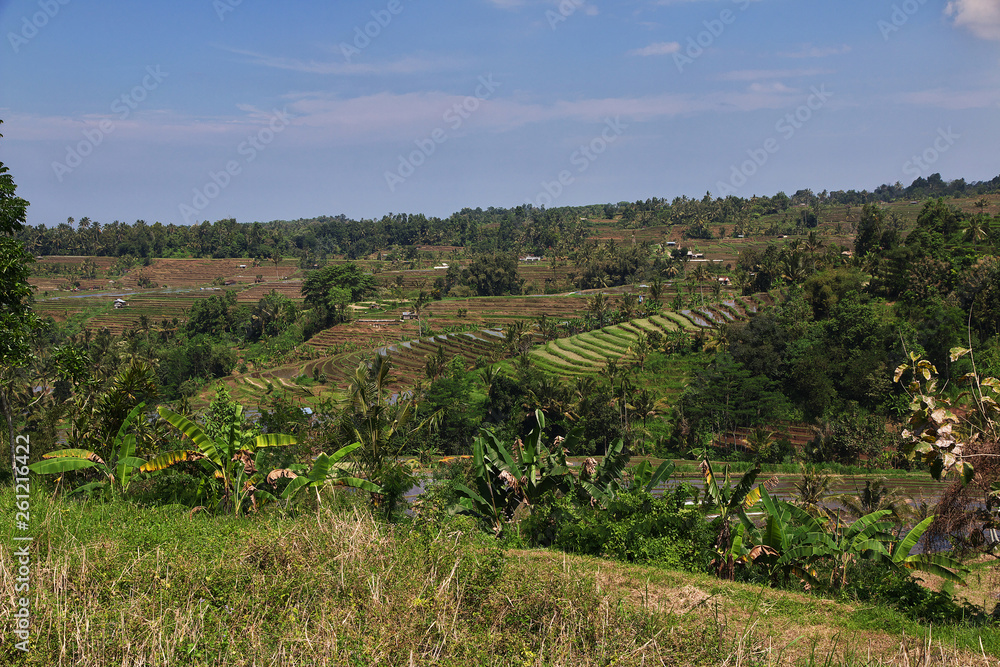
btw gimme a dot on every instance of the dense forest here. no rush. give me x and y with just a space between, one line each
523 229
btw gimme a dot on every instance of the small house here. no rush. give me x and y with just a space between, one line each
119 303
724 280
243 266
408 315
531 258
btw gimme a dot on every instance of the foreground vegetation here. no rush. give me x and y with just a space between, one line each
121 583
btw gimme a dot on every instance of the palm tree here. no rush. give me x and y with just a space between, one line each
379 420
547 327
656 289
700 275
874 497
629 304
488 376
598 307
519 336
812 489
976 230
643 406
793 267
812 244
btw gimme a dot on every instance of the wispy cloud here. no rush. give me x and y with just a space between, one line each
657 49
771 87
322 118
952 99
405 65
980 17
762 74
810 51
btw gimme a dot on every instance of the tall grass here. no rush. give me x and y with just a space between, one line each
122 584
119 584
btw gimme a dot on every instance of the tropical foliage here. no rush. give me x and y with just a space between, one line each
230 456
117 471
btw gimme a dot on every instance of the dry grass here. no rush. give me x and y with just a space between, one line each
127 585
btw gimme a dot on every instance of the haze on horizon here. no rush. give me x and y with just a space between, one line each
231 108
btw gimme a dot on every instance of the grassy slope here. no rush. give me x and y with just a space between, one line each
119 584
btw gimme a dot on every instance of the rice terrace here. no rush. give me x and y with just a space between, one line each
508 332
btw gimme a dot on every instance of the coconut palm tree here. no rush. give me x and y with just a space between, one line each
876 496
598 306
976 230
380 420
656 289
813 488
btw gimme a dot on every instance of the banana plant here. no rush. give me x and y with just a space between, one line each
230 457
939 564
603 481
117 471
865 538
505 479
326 469
729 500
797 541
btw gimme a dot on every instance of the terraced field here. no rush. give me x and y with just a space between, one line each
155 304
409 358
198 272
589 353
289 288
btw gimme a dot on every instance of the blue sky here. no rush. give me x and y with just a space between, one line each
205 109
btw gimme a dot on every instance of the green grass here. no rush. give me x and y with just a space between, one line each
680 320
667 324
570 345
122 583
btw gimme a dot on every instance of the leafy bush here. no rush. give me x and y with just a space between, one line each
440 494
872 582
637 528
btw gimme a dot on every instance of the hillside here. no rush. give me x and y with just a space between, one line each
156 585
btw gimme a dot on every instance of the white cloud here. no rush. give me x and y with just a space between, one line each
657 49
758 74
810 51
981 17
322 118
952 99
406 65
772 87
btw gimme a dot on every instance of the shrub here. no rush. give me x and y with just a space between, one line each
872 582
637 528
